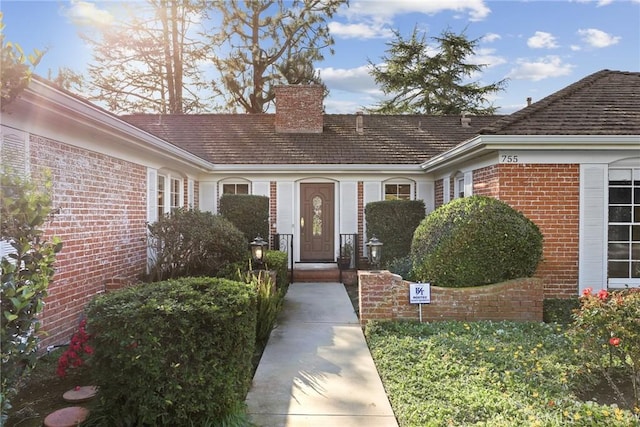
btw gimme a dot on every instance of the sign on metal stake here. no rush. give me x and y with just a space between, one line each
420 293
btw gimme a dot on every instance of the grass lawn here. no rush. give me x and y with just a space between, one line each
487 374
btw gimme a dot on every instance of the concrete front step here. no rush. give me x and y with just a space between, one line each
316 272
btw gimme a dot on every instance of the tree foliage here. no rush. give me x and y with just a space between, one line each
422 82
15 68
26 273
148 62
269 42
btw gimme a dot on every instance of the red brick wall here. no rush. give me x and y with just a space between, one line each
439 193
299 108
102 203
486 181
549 195
273 207
385 296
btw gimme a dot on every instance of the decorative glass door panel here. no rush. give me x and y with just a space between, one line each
316 221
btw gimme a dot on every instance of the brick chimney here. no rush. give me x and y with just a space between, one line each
299 109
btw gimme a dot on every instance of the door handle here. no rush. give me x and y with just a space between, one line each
302 222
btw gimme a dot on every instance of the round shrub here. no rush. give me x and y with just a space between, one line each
193 243
475 241
173 352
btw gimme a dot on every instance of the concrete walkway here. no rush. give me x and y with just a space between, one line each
316 370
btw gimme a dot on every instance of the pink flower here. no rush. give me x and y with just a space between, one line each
603 294
614 341
587 292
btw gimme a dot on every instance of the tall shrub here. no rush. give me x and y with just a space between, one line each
249 213
475 241
172 353
26 273
193 243
393 222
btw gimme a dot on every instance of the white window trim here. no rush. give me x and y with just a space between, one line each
168 177
399 181
234 181
617 283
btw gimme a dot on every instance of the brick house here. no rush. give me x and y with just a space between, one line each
570 162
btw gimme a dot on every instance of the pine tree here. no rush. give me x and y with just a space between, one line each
421 82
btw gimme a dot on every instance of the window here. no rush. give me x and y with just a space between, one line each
458 187
235 188
161 194
623 246
175 194
169 194
397 191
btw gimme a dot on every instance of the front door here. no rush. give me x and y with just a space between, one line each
316 221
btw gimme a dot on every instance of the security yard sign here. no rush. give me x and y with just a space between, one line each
420 293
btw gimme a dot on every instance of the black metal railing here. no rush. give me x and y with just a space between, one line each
349 249
284 243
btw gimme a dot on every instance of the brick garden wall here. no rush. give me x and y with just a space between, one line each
102 224
385 296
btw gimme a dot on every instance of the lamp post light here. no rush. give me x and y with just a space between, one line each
375 252
258 247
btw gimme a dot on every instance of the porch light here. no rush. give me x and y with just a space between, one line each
375 252
258 247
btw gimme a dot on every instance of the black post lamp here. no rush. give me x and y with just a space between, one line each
375 252
258 247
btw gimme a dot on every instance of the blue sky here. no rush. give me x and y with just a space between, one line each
540 46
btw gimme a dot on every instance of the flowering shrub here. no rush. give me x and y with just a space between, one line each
78 346
607 326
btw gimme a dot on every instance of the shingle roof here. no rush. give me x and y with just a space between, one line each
251 138
603 103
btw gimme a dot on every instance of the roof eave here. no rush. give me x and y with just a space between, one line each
488 143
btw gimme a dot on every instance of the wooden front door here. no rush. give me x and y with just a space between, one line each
316 222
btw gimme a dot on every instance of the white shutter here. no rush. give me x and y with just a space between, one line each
208 197
592 265
348 207
260 188
190 194
14 150
468 184
152 195
446 192
285 209
425 191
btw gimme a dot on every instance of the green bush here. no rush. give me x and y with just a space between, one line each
171 352
193 243
277 261
475 241
393 223
26 274
559 310
249 213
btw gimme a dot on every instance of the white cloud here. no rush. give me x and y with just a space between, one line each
359 31
491 37
355 80
549 66
575 48
486 56
597 38
542 40
83 13
386 10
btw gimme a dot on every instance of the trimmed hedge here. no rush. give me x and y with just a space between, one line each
191 243
173 352
559 310
475 241
393 223
249 213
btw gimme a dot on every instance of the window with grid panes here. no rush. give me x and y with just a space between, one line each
397 191
623 246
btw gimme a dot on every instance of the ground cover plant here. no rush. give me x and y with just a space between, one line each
487 374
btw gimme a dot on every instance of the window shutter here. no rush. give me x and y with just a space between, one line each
468 184
208 197
446 192
152 195
190 196
14 150
592 267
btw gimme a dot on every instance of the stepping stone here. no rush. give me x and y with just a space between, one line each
67 417
80 394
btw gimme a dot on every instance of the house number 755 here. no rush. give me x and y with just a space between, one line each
509 158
